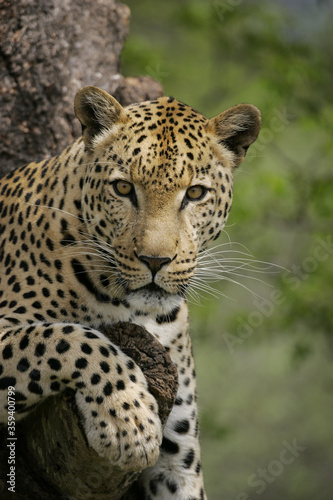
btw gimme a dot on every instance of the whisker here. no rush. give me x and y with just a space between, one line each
205 288
226 262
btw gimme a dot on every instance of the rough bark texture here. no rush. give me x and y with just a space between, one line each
49 49
53 460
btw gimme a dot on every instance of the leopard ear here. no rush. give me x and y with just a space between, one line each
97 111
237 128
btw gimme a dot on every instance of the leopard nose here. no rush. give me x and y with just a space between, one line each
154 263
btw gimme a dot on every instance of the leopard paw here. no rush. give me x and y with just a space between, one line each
124 427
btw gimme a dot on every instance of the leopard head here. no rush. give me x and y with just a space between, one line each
158 188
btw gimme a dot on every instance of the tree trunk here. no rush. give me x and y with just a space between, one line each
49 49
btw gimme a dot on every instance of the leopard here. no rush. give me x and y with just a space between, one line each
109 231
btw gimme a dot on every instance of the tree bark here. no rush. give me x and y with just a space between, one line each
49 49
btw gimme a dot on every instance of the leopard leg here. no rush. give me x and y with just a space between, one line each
120 415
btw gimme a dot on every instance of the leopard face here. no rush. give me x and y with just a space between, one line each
158 189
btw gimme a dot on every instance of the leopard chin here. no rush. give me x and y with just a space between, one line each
153 299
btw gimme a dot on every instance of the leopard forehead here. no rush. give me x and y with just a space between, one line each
163 115
163 144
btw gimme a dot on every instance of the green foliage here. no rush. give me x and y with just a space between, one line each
264 363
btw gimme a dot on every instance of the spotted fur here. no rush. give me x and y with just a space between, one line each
110 231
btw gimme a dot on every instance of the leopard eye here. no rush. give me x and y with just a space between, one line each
196 193
123 188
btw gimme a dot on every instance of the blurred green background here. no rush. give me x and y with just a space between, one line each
264 352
